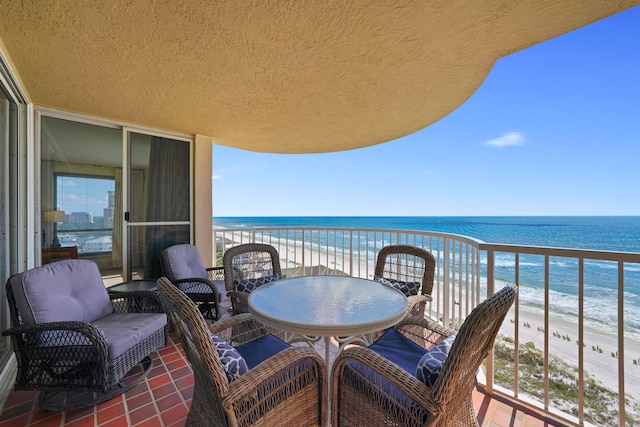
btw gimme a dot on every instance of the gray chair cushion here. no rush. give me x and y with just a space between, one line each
124 330
182 262
68 290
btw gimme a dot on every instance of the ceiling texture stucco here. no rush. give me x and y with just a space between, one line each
288 76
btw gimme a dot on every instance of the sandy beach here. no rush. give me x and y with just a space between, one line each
599 362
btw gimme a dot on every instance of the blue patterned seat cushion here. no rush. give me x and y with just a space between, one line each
248 285
233 363
407 288
430 365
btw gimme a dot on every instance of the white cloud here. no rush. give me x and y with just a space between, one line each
214 177
506 140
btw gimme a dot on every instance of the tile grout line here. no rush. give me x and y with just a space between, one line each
177 350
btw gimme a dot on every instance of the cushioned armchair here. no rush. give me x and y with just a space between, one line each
409 269
418 373
71 337
244 375
183 265
247 267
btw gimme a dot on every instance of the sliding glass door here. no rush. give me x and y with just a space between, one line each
158 209
113 196
79 165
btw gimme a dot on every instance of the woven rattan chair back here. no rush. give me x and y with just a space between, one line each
369 389
408 264
472 344
288 388
248 261
210 382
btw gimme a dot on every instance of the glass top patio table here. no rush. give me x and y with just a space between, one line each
134 286
327 306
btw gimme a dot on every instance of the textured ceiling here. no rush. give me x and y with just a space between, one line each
284 76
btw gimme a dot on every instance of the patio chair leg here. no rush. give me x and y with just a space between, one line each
208 311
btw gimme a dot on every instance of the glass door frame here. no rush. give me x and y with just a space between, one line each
128 225
17 213
126 129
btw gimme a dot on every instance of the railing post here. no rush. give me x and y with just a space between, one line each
303 252
581 344
490 291
621 394
350 252
445 285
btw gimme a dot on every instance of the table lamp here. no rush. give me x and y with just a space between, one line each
55 217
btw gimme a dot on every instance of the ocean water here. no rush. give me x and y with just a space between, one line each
616 233
607 233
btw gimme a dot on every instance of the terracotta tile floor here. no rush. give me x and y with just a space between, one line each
163 399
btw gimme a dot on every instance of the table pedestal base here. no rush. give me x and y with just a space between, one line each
343 342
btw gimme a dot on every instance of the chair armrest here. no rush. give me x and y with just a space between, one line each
206 282
239 301
427 324
283 367
424 332
239 329
54 352
243 297
418 299
396 376
58 334
414 300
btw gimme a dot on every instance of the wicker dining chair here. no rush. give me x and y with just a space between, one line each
395 381
183 265
243 375
411 270
246 267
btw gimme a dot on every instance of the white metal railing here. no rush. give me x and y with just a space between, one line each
307 251
601 379
467 271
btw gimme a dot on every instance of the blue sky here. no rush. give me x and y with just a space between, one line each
553 130
77 194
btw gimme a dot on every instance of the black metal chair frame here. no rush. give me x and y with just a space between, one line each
73 370
208 302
